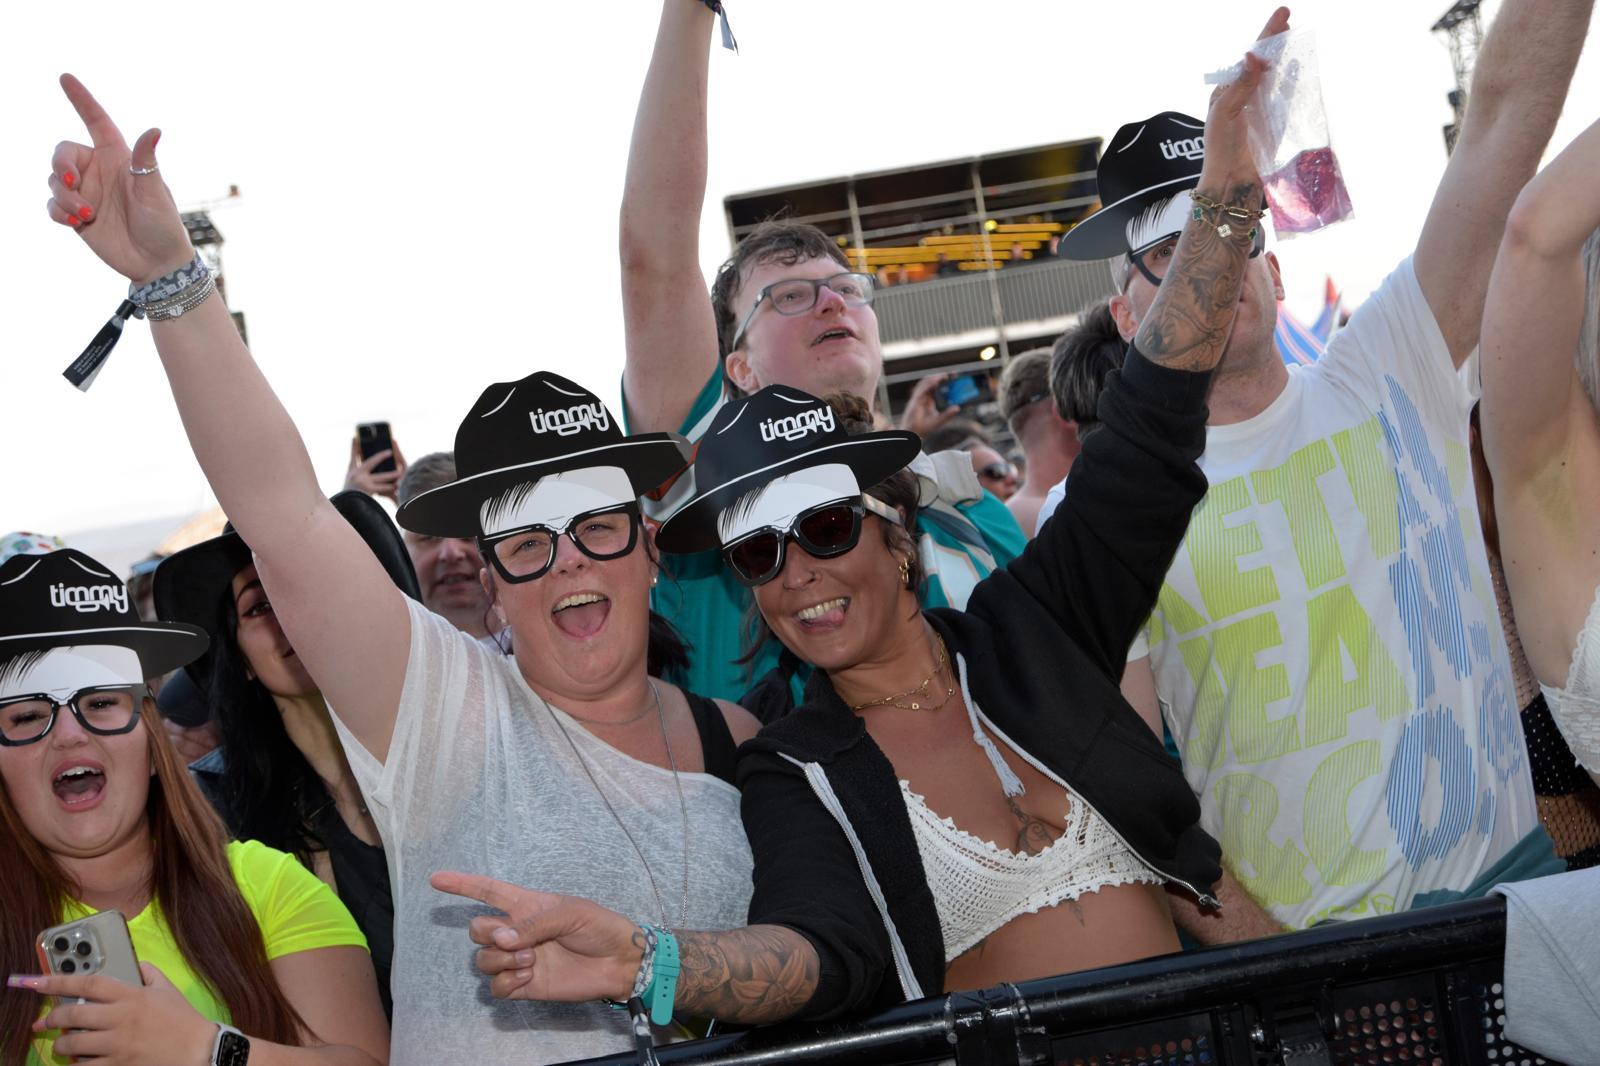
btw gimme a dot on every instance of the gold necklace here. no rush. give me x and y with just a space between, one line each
923 690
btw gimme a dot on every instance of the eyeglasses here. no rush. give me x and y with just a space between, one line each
105 710
824 531
527 553
1154 258
796 296
997 471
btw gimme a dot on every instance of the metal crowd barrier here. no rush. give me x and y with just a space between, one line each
1421 987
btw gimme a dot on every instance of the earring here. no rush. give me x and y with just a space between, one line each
653 580
905 571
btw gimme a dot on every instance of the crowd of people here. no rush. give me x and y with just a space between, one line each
742 704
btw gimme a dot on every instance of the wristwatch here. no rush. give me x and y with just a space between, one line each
231 1048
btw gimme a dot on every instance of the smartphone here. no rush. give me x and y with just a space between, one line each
964 390
374 438
98 944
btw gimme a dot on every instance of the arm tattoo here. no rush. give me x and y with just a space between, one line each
1187 326
760 974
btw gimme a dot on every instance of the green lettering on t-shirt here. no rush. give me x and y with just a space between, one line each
1204 741
1372 483
1176 611
1327 821
1294 485
1271 873
1339 630
1256 738
1215 548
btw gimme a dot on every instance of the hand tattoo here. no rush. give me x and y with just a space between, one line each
763 973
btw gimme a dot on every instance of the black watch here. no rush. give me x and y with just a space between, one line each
231 1048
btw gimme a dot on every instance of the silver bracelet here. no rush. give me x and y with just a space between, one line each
186 300
170 285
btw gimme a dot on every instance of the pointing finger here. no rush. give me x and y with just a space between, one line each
102 131
496 894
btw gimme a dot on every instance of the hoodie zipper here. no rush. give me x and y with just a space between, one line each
817 778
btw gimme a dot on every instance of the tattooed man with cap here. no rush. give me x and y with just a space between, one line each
1326 648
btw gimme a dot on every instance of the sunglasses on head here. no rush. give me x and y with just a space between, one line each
824 531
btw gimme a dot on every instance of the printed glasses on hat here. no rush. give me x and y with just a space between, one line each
824 531
105 710
796 296
527 553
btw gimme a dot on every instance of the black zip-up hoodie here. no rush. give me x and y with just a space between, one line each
1043 642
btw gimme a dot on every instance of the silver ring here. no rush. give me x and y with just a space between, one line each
143 170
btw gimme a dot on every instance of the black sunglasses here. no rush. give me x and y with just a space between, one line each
104 710
528 552
824 531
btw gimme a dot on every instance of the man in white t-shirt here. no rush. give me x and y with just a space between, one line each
1326 647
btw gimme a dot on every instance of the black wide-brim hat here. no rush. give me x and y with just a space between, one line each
190 585
66 599
1143 164
771 434
521 431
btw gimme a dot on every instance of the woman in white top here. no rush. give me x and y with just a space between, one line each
562 765
1541 431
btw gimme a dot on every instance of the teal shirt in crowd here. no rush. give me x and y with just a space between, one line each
962 536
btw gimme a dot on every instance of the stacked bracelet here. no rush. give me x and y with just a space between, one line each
1224 216
171 295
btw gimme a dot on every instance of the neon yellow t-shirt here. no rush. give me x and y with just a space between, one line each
296 912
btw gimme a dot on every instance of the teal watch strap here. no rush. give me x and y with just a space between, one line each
664 982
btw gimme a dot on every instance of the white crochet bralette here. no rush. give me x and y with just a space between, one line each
978 887
1576 708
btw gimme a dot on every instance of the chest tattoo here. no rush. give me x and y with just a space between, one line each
1033 835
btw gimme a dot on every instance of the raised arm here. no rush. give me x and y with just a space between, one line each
345 618
671 333
1517 91
1532 399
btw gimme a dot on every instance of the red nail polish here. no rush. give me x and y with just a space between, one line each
72 220
86 212
68 180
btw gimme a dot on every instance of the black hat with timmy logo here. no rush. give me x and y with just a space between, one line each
66 599
521 431
766 436
1143 165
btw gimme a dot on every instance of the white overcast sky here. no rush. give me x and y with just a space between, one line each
431 191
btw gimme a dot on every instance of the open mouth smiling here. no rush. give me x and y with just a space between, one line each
581 614
79 784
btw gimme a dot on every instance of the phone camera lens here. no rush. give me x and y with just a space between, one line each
61 944
68 966
84 948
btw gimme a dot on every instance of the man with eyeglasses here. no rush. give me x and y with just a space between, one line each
786 309
1325 649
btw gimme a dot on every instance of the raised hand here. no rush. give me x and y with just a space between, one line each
548 947
363 475
1228 161
129 219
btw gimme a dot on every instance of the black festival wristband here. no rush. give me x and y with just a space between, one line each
727 31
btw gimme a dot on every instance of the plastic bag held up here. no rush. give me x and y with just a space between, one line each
1288 135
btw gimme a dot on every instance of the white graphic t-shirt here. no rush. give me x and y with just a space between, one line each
1327 646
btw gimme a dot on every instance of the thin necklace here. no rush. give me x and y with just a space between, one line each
601 721
683 810
923 691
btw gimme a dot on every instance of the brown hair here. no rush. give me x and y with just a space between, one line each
772 241
210 921
1080 359
1025 379
900 490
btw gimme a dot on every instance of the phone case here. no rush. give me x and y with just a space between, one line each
375 437
98 944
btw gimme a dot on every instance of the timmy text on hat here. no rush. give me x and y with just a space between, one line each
1184 148
793 427
567 421
89 598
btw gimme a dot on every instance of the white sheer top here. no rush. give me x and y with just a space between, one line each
1576 708
978 887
